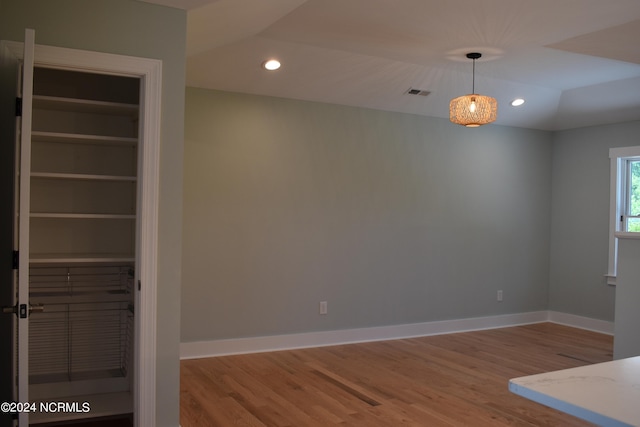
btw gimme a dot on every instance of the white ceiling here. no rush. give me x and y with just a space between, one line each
576 62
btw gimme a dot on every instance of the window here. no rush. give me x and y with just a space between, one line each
630 216
625 200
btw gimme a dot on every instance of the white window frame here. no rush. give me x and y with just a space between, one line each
626 214
618 184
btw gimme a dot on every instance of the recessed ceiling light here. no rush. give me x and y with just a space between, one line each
517 102
271 65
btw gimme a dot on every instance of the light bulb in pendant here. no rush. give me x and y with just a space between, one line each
472 107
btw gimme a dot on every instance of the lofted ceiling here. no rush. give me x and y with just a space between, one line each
575 62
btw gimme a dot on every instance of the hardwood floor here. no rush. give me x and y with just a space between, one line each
445 380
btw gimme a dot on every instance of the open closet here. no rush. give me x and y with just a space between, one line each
85 232
82 239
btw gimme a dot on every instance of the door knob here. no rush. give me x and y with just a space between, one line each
10 309
20 310
36 308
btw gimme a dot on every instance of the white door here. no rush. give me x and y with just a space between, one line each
9 91
15 301
23 306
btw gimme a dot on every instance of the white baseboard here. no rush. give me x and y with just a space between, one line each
596 325
200 349
195 350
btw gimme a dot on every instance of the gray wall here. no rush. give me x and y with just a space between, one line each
580 218
139 29
391 218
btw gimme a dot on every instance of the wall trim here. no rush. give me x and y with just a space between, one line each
227 347
200 349
588 323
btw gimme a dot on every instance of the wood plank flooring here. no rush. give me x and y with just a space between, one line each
445 380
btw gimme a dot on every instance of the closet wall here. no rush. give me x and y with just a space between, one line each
82 236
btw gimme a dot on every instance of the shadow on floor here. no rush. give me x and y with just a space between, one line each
119 421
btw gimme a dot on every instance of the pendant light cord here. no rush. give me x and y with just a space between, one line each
473 79
474 56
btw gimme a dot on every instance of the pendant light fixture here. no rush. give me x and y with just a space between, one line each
473 110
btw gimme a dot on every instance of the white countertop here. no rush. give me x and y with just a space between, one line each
607 394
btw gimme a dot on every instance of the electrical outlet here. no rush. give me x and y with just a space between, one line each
323 307
499 297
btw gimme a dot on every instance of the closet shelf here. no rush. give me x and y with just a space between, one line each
82 176
102 405
79 258
80 297
84 106
81 216
76 138
76 376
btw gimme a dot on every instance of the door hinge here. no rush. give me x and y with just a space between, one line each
18 107
16 260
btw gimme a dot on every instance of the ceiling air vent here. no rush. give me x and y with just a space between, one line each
421 92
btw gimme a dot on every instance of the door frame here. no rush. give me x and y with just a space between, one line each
149 71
